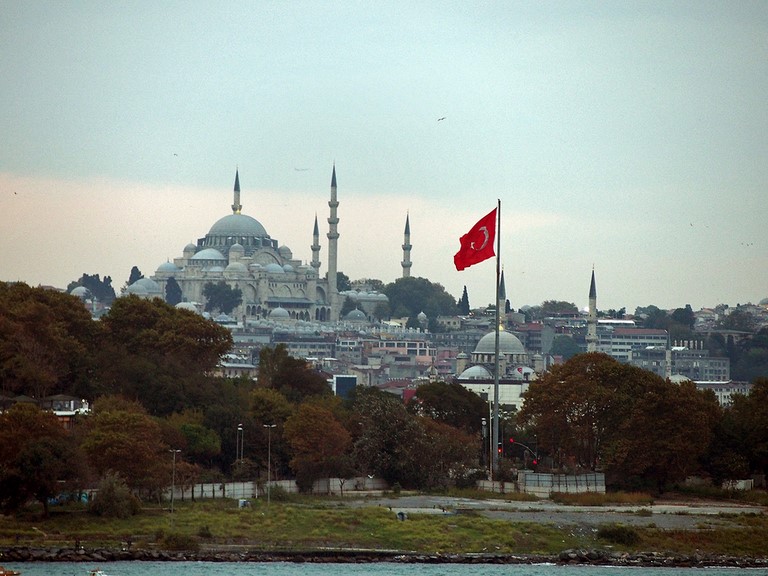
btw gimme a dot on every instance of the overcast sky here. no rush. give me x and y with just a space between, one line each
628 136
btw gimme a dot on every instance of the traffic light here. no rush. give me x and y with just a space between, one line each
511 440
501 448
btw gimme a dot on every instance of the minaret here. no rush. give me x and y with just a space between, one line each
502 303
236 206
668 359
592 318
316 248
333 245
406 263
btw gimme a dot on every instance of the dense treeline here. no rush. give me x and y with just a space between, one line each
146 367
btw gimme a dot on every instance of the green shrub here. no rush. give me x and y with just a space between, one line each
185 542
114 499
619 534
279 494
204 532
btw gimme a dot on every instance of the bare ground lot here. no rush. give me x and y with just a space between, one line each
666 514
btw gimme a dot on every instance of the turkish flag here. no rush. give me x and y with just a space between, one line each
477 244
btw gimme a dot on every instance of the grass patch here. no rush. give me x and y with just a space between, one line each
598 499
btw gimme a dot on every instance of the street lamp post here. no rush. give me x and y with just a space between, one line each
173 477
239 444
269 457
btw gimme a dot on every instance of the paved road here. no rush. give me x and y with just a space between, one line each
665 515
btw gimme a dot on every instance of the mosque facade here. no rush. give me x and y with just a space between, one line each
239 251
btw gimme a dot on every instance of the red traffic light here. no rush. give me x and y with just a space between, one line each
511 440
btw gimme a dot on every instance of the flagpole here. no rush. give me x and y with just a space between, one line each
495 460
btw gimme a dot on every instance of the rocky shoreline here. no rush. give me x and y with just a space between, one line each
582 556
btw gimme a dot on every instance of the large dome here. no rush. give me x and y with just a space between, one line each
508 344
237 225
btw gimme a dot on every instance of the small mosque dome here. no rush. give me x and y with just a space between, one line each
279 313
764 302
136 289
81 292
508 344
475 373
462 356
285 252
187 306
215 269
149 285
237 247
274 268
287 268
167 268
421 317
356 315
190 248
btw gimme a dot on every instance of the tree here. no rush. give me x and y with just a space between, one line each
292 377
684 316
342 282
464 303
159 354
45 340
134 276
557 308
409 296
319 444
571 407
221 297
564 346
172 291
122 439
100 289
38 457
638 427
450 404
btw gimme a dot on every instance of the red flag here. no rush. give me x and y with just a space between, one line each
477 244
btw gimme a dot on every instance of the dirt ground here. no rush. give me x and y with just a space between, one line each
671 514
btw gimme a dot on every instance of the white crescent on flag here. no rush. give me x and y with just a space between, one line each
484 230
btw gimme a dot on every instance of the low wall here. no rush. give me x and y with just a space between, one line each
542 485
248 490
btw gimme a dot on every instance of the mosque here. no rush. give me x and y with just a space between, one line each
239 251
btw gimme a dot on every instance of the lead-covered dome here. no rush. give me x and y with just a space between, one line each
238 226
508 344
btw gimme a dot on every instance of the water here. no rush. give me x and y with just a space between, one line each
377 569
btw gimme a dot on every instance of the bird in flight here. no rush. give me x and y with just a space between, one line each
439 119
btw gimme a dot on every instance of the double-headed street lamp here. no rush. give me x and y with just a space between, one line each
269 456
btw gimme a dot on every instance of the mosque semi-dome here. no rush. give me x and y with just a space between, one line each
508 344
209 254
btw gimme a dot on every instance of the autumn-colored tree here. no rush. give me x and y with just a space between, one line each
122 438
387 432
158 354
574 406
668 429
45 340
292 377
319 443
38 457
446 453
